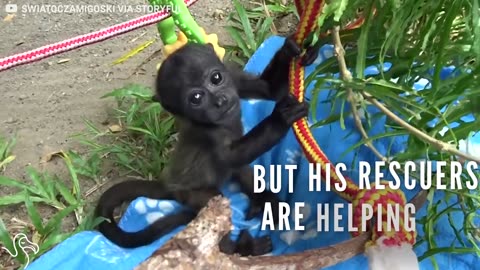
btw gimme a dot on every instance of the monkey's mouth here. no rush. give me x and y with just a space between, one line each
231 109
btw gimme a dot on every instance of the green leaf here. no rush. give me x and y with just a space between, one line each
5 181
250 38
17 198
56 221
362 41
40 188
133 90
33 214
5 238
264 30
341 6
66 193
142 130
73 177
235 35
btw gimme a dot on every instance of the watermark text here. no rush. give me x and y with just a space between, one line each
84 8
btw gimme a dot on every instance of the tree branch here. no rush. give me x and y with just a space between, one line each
440 145
347 76
196 247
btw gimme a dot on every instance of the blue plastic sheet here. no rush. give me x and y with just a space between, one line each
90 250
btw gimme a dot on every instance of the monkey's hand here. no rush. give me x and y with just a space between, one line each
310 55
292 49
288 110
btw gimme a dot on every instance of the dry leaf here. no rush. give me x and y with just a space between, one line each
61 61
9 17
36 237
51 155
115 128
133 52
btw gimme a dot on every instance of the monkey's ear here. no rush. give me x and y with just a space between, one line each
210 45
155 98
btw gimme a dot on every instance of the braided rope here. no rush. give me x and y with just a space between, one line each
310 10
79 41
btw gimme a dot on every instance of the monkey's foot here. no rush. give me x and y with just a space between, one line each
261 246
246 245
253 211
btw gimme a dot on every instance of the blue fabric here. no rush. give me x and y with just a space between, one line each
90 250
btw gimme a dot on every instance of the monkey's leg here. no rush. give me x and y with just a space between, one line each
246 245
273 82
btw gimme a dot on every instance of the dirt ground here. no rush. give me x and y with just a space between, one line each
45 102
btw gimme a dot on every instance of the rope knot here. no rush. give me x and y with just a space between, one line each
385 208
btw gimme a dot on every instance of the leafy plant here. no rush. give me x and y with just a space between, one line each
249 28
6 156
141 139
415 40
51 191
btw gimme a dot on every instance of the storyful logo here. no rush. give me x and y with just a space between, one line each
21 244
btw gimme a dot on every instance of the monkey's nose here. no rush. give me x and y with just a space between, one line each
221 100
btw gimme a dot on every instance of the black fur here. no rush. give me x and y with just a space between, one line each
204 96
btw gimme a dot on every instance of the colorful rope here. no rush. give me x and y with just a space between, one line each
309 11
79 41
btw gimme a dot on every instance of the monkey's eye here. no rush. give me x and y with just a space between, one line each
196 98
216 78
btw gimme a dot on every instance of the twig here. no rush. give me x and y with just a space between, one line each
196 247
94 188
440 145
347 76
145 61
273 28
267 12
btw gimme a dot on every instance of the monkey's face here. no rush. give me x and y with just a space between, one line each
195 84
213 100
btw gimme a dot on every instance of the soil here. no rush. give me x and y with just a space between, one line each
44 103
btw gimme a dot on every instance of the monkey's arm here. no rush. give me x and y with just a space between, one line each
266 134
250 86
272 84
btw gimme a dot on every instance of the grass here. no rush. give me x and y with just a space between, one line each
139 140
6 156
134 144
250 27
45 190
137 144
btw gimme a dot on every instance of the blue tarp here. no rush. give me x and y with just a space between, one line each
90 250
